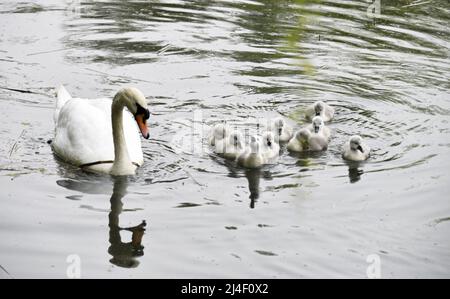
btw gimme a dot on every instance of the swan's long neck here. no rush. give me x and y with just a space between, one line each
122 163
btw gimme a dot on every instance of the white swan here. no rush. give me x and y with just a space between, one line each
318 127
252 157
355 149
270 148
299 142
304 140
283 133
98 135
317 143
231 146
218 132
321 109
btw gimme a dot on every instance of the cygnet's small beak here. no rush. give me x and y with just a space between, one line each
316 129
141 120
360 148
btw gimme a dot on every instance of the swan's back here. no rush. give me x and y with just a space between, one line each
295 145
62 97
317 143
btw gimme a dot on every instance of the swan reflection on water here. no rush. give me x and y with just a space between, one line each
253 177
354 171
124 254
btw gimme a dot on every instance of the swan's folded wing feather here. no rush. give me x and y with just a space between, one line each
62 97
84 132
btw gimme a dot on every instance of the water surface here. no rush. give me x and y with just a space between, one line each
189 213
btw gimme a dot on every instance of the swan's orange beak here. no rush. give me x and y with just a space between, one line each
142 124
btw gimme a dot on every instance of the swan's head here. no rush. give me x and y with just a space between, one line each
355 143
236 139
136 103
269 138
319 107
220 131
317 124
303 135
279 124
254 145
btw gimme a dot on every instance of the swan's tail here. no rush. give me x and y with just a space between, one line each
62 96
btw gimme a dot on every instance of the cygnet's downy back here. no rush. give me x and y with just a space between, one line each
253 157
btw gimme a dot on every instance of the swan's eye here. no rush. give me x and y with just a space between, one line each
142 111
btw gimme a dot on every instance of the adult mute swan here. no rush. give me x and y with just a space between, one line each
355 149
98 135
321 109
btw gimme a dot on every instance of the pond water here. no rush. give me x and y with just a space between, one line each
190 214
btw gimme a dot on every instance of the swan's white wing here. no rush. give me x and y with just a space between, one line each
345 150
294 146
286 134
62 96
317 143
84 133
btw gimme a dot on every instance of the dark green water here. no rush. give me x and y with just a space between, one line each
199 62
